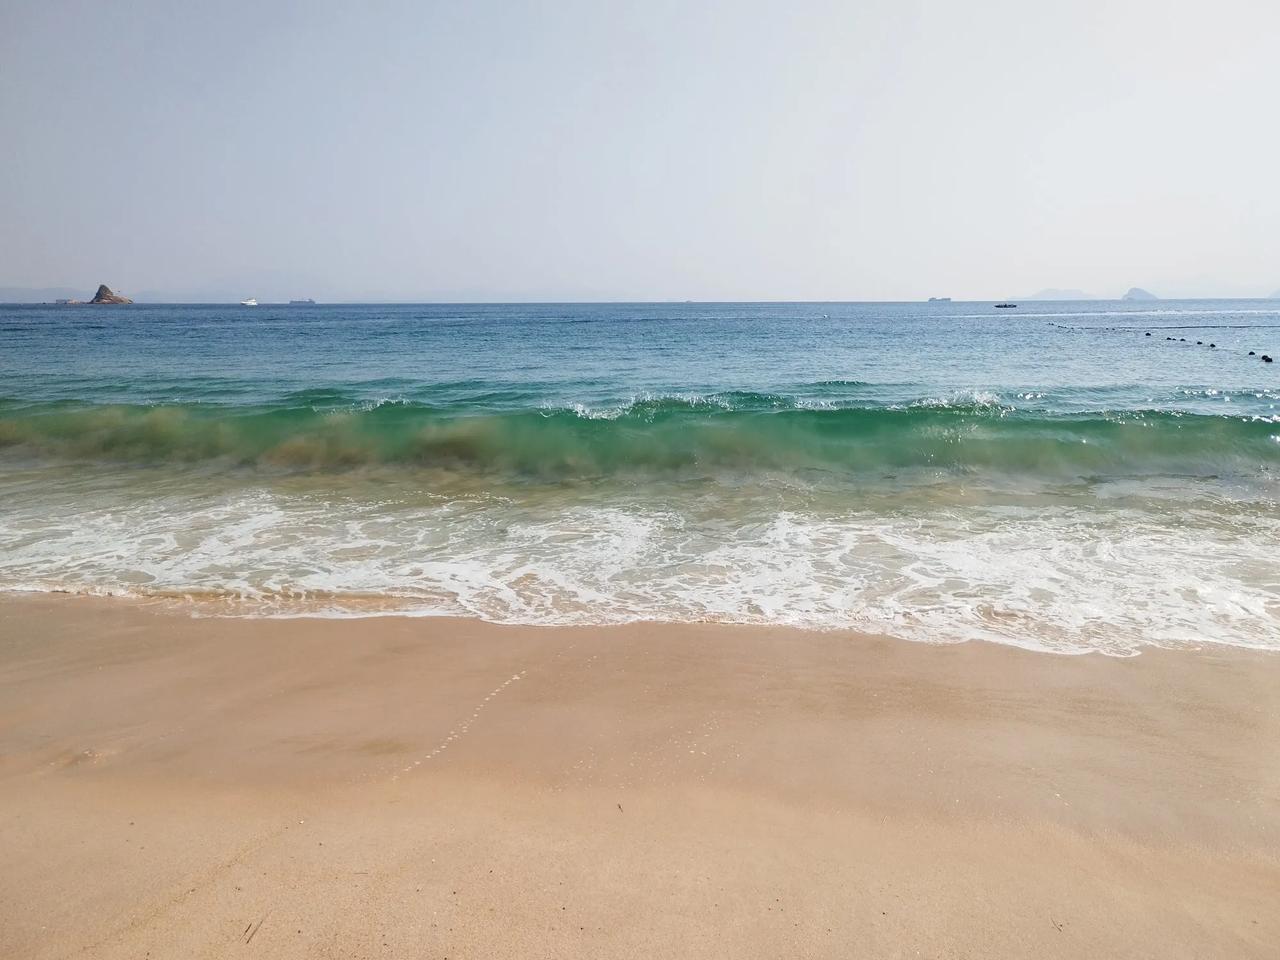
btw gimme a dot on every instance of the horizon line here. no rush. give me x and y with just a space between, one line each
626 301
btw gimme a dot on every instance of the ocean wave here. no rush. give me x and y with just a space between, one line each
965 431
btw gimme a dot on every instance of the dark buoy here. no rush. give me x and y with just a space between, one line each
1214 345
1199 343
1182 339
1265 358
1251 353
1148 334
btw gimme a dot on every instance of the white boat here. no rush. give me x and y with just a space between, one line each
249 303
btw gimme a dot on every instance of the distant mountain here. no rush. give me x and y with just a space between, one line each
40 294
1053 293
1137 293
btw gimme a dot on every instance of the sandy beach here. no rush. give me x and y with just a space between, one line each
174 786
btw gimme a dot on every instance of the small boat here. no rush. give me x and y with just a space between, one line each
1005 306
251 302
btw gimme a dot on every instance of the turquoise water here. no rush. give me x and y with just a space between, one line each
1050 477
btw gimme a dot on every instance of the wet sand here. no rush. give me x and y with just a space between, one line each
179 787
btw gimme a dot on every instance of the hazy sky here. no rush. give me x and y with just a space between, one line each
649 150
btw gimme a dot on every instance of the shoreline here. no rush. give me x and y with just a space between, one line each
213 605
422 786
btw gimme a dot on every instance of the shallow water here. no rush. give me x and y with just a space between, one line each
1049 477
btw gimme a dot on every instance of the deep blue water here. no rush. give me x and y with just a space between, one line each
1090 356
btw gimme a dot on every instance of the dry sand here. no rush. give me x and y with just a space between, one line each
179 787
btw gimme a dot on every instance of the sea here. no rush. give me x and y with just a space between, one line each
1071 477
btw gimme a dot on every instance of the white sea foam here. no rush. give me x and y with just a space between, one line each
1066 578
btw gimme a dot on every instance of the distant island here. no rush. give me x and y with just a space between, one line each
939 299
1053 293
104 295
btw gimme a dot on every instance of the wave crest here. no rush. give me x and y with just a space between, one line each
963 432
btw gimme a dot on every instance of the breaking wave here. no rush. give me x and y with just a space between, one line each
736 432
